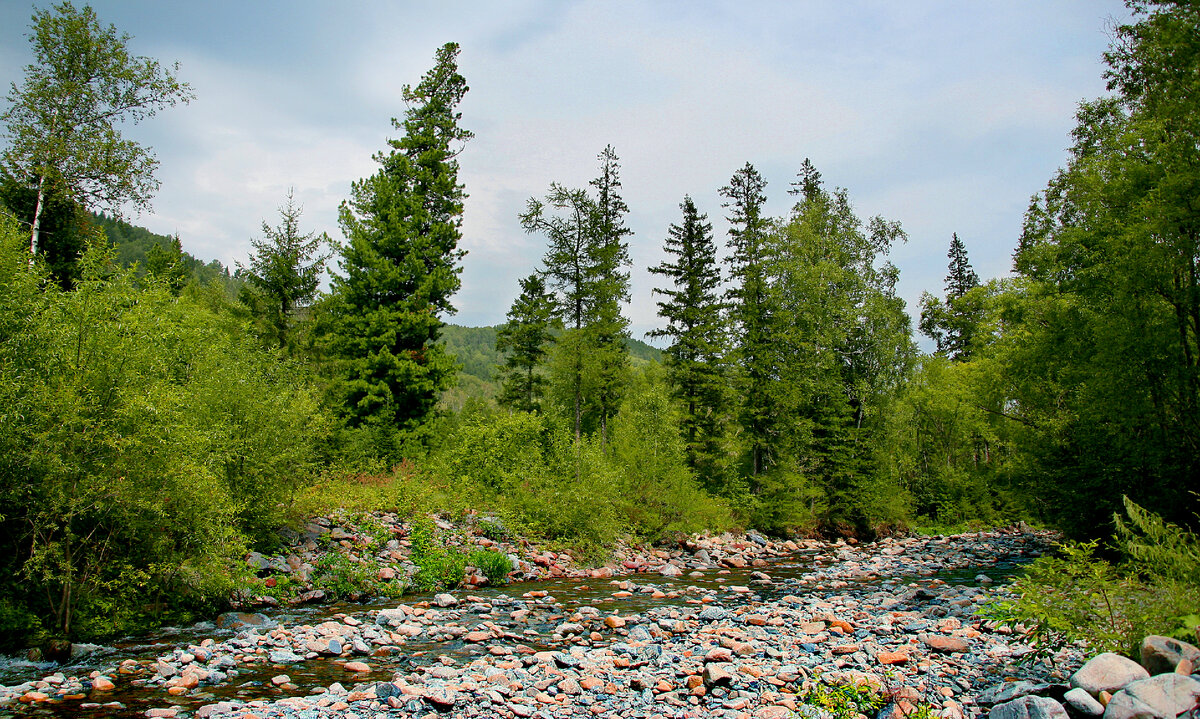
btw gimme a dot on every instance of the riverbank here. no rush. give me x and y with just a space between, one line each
649 645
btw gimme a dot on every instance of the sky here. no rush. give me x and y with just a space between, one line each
946 116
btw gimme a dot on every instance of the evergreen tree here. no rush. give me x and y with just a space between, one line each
569 268
693 310
951 323
749 308
608 328
525 336
286 268
401 260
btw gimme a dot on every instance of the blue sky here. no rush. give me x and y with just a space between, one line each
946 116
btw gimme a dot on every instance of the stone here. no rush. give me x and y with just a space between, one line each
103 684
1166 696
1107 672
280 679
476 637
238 621
614 622
445 600
356 667
891 657
717 675
1083 703
1161 655
1029 707
1009 691
670 570
772 712
945 645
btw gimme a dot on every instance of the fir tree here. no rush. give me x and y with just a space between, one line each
749 308
608 328
693 311
285 267
952 323
401 260
525 337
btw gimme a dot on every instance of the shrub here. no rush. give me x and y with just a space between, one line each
494 565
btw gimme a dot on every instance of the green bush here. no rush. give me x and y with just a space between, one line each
342 578
1077 596
494 565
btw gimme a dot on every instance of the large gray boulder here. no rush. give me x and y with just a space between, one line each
1165 696
1029 707
1161 655
1107 672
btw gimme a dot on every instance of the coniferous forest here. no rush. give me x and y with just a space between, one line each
160 417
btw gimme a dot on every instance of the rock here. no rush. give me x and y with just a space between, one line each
1029 707
1165 696
356 667
1009 691
717 675
891 657
103 684
567 628
445 600
1161 655
284 656
280 679
944 644
476 637
238 621
1083 703
614 622
161 713
712 614
773 712
670 570
1107 672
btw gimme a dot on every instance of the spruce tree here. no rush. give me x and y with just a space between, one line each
951 323
525 337
285 268
608 328
693 310
401 260
749 308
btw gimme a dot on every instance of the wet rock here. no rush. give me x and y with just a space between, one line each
445 600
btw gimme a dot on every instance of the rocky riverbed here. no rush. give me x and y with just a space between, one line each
723 627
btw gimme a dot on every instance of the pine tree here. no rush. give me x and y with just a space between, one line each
401 260
693 310
749 308
285 267
526 336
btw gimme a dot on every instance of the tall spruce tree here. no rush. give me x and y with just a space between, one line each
749 308
608 328
951 323
694 313
401 260
525 338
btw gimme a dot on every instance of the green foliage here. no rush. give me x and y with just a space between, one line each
285 268
494 565
439 566
63 122
1077 596
844 701
525 337
144 442
696 358
342 578
400 263
952 323
1104 349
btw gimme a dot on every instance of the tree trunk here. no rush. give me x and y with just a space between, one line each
37 219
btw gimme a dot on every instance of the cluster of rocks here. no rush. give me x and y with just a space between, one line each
381 541
1113 687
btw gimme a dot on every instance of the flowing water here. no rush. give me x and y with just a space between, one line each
564 598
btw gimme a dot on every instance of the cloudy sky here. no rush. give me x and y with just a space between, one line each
944 115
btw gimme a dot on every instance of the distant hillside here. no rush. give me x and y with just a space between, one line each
475 349
133 243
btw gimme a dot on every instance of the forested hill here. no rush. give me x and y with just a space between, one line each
136 244
475 350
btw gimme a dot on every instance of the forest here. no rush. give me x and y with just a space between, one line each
161 416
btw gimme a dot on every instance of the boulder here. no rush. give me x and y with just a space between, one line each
1161 655
1165 696
1082 703
1107 672
1029 707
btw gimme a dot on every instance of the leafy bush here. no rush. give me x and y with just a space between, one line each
342 578
494 565
439 567
1077 596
